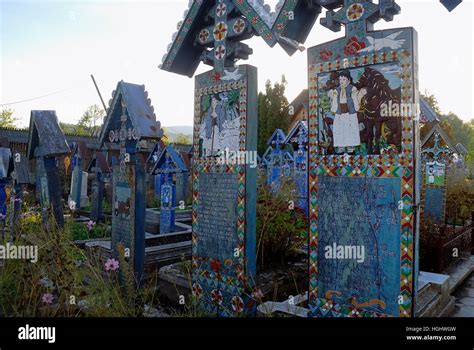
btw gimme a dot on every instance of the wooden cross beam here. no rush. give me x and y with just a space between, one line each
212 31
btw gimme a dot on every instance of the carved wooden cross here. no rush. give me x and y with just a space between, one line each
358 15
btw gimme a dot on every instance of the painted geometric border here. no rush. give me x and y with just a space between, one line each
202 273
385 165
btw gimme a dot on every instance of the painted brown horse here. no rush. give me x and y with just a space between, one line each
379 95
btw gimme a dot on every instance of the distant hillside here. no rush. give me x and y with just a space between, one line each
179 134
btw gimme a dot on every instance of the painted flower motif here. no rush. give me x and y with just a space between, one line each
220 31
203 35
197 290
239 26
216 76
221 10
325 55
353 46
228 262
220 52
257 294
112 265
90 225
216 297
240 273
237 304
354 12
47 298
216 265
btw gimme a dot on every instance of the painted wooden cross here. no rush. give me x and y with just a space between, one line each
212 31
169 168
168 198
437 151
129 124
360 15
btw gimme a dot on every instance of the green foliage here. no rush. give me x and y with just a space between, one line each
281 230
79 284
89 124
205 103
459 196
458 130
155 202
6 118
430 236
233 97
182 139
79 231
272 112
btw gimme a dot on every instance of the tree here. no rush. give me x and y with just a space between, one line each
272 112
182 139
90 118
6 118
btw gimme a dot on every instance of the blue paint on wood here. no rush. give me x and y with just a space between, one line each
360 212
97 197
434 203
224 205
167 211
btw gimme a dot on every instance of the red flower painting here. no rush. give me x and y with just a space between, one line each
216 76
353 46
325 55
216 265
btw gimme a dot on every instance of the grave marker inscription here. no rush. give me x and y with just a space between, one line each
363 160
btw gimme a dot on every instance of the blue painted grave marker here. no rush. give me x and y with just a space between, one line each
224 195
130 122
169 165
363 162
436 160
101 169
46 141
298 138
78 194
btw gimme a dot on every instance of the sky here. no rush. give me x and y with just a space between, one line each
49 49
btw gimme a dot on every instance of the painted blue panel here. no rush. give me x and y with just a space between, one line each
217 215
168 195
434 200
360 212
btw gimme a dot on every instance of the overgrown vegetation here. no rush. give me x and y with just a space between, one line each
281 228
65 282
86 230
